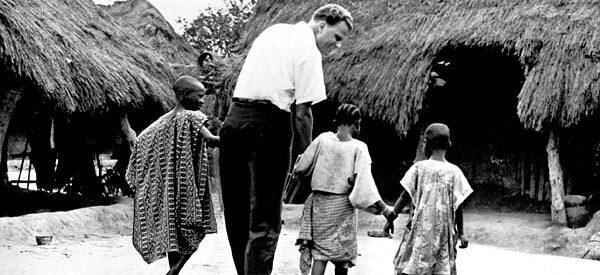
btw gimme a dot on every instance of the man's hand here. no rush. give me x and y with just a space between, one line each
389 214
464 243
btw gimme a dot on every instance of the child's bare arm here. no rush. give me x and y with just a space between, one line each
206 134
377 208
459 221
459 226
402 202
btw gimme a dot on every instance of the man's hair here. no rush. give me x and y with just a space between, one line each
185 85
347 114
333 14
437 137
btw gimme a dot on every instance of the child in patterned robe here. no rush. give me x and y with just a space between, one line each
168 171
436 188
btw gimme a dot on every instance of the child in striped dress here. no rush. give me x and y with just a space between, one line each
341 182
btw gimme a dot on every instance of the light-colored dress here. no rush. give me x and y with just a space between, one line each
329 220
436 189
168 172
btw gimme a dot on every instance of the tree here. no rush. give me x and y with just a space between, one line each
218 29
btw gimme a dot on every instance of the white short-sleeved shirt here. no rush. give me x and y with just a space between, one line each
284 65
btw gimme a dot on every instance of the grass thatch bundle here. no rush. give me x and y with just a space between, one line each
77 58
384 66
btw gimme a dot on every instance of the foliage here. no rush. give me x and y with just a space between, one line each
218 29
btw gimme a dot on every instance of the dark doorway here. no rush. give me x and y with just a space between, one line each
477 99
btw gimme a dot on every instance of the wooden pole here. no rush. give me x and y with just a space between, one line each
527 173
532 179
216 177
41 155
522 173
8 104
558 213
541 180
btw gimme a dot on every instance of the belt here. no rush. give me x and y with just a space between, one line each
251 101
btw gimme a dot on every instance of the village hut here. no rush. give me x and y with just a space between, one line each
70 74
143 19
517 82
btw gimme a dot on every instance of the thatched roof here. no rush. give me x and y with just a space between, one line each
148 23
143 19
385 64
77 58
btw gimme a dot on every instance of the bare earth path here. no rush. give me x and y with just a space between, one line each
108 251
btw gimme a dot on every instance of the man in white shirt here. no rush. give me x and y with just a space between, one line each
283 66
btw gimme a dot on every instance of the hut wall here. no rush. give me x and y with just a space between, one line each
579 150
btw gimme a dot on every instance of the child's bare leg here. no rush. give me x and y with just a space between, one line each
176 262
318 267
340 269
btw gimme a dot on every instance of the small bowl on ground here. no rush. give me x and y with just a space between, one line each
43 240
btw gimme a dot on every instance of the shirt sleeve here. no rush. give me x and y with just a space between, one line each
306 161
409 182
364 193
308 78
462 189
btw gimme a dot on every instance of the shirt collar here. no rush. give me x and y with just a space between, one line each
307 34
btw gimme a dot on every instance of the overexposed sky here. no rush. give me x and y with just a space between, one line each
173 9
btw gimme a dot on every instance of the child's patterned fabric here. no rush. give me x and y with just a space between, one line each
168 172
436 189
329 224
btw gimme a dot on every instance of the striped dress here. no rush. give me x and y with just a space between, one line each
168 172
329 219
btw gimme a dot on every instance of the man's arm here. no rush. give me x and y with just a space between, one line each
304 124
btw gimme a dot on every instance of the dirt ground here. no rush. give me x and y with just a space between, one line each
96 240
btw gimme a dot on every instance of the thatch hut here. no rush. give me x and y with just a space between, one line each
147 22
143 19
71 63
516 81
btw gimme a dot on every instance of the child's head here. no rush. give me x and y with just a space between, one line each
437 137
348 115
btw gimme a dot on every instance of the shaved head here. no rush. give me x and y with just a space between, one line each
189 92
187 84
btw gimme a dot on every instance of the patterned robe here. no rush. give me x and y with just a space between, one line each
436 189
168 172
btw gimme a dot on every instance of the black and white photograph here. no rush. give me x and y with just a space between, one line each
300 137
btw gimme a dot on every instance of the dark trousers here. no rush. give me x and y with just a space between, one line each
254 159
